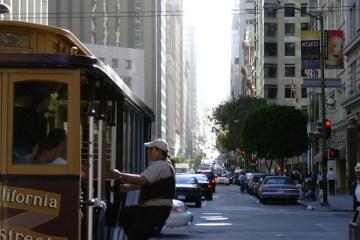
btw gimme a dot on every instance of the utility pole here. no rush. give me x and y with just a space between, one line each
323 143
323 113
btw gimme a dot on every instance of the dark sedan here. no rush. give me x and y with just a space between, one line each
188 189
206 187
278 188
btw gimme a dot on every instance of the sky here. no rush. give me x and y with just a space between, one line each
212 20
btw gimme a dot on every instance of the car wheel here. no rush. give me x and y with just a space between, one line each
158 230
198 203
209 197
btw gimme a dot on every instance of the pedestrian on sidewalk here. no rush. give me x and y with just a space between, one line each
319 184
331 177
355 187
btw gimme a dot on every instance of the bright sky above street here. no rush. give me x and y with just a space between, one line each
212 20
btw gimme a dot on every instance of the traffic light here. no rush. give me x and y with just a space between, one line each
333 153
327 125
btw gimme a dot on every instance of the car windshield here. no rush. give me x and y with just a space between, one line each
279 181
185 180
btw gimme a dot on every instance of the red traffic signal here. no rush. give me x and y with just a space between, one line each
333 153
328 123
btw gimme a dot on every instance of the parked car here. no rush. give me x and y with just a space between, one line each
278 188
188 189
223 179
179 215
210 175
206 186
255 181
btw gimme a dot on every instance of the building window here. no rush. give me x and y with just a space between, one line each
271 91
303 92
269 12
290 49
303 9
270 49
289 10
288 91
352 21
270 70
289 70
128 64
270 29
250 21
289 29
304 26
114 63
352 80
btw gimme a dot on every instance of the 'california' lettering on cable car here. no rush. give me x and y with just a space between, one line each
23 234
29 199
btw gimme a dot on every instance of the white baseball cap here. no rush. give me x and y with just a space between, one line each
158 143
357 167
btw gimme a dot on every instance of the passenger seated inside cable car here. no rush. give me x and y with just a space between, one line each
39 122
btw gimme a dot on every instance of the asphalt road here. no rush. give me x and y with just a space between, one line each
235 215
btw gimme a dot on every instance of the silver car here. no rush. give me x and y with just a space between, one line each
278 188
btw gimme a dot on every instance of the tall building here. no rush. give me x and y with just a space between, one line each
242 48
279 78
174 76
237 32
190 80
248 50
111 30
29 11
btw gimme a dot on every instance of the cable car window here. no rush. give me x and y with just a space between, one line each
40 122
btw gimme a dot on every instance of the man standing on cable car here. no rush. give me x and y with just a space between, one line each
157 189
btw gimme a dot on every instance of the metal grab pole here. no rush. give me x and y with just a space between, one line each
91 175
100 158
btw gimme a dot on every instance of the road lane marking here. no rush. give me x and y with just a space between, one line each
213 224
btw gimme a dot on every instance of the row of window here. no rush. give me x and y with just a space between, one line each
271 92
270 29
270 70
289 10
270 49
115 62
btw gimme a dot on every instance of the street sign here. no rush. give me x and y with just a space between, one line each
316 82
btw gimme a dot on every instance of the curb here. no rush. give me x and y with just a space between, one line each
330 209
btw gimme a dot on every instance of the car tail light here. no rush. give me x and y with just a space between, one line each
209 185
177 209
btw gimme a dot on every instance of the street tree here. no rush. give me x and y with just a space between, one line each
228 122
229 117
275 132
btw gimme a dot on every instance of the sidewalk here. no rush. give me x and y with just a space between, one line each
339 202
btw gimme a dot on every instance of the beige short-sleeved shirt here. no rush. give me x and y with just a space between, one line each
156 171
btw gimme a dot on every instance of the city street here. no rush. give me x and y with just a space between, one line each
232 215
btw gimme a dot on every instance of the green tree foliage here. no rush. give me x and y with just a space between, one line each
228 121
276 132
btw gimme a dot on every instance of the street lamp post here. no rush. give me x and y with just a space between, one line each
324 159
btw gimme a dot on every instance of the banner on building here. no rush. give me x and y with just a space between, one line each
334 49
310 49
